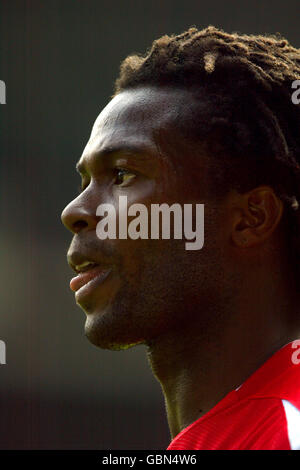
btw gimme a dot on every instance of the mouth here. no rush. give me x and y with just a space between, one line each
89 276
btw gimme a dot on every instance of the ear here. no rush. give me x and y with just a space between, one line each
257 214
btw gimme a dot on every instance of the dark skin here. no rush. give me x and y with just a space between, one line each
210 317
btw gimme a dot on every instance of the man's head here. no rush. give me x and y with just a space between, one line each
205 117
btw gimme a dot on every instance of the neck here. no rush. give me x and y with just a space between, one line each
198 366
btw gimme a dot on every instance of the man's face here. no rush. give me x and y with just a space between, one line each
142 289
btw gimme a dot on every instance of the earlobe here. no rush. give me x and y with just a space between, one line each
259 215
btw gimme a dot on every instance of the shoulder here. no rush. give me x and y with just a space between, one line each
248 424
263 413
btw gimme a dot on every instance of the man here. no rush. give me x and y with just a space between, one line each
204 117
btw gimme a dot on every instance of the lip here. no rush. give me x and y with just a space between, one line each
86 281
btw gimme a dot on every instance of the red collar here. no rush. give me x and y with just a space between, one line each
278 377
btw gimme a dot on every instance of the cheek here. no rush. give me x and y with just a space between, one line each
150 266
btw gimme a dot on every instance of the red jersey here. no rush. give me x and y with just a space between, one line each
262 414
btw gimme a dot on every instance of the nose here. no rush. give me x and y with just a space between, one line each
77 216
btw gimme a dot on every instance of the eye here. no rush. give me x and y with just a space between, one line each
123 177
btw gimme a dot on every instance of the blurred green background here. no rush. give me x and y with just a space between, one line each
59 60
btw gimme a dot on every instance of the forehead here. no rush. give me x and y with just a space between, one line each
134 118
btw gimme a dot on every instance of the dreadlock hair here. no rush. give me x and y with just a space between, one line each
247 82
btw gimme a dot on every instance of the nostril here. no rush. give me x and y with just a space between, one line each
76 217
79 225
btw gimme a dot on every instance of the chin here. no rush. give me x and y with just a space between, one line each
102 334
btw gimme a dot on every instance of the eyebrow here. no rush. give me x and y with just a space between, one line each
126 150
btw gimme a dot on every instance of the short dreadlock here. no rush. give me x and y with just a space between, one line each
248 79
